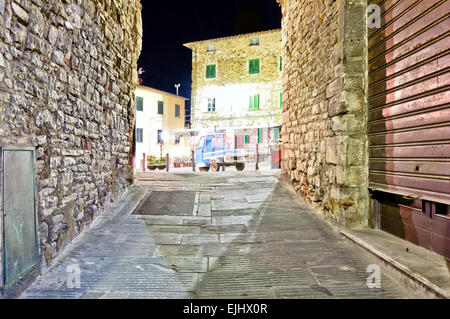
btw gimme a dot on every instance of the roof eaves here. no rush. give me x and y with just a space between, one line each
190 45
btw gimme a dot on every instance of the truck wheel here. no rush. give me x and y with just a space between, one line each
240 166
214 166
204 169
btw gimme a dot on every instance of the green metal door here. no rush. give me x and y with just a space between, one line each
20 251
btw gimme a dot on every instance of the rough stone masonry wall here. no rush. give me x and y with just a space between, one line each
67 80
324 113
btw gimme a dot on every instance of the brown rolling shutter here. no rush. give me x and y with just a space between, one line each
409 98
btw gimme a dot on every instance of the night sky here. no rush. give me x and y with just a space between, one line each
170 24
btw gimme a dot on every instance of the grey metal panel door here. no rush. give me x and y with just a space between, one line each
19 221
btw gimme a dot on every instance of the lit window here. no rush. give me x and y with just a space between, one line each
211 47
160 107
139 135
212 105
177 110
254 41
211 71
253 66
139 103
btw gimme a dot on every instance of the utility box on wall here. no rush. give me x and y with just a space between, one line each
19 235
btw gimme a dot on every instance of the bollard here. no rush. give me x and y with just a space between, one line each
143 162
257 157
167 162
193 161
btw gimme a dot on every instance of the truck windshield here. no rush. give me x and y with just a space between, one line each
201 143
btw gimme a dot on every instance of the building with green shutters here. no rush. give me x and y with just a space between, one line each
236 84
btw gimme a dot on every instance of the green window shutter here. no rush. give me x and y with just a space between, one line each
281 99
253 66
281 63
260 135
211 71
246 139
254 102
139 103
277 133
257 102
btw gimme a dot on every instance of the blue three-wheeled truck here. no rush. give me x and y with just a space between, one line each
217 150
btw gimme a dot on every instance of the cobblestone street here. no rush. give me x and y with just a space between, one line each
212 235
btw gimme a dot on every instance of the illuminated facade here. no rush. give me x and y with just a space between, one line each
236 83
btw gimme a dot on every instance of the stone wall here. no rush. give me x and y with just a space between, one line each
233 85
324 114
67 80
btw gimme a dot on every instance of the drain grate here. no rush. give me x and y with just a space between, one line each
173 203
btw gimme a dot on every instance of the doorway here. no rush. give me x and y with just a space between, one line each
20 251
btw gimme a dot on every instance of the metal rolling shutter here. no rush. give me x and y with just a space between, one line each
409 98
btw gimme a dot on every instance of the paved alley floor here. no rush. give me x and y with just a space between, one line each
212 235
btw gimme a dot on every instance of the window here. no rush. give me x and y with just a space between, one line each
139 103
139 135
177 110
160 107
253 66
212 105
211 47
442 209
254 41
281 99
160 141
260 135
177 139
211 71
254 102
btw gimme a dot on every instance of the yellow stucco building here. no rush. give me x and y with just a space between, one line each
160 121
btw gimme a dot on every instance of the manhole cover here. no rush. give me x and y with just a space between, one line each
175 203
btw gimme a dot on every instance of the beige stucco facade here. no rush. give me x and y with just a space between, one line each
232 86
150 122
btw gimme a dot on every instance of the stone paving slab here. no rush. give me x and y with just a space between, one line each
252 238
177 250
202 239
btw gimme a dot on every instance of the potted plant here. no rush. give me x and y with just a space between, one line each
177 162
154 163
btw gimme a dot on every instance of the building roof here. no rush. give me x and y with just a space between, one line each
191 44
143 87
